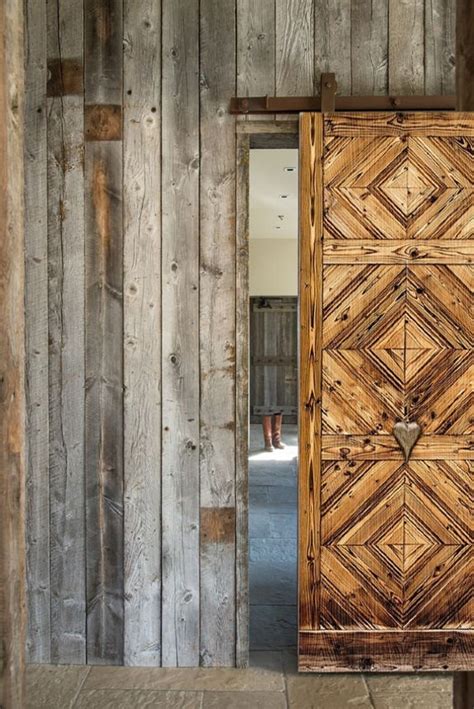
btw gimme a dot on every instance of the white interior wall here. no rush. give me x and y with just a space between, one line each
273 267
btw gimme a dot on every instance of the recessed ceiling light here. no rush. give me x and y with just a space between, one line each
289 169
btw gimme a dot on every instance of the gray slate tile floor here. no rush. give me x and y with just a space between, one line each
272 543
271 682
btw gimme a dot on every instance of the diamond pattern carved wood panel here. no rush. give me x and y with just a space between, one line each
387 544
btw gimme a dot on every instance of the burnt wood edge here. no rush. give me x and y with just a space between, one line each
386 651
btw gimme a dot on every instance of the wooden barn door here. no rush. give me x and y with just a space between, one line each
386 398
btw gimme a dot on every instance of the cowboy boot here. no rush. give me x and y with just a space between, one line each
276 431
267 432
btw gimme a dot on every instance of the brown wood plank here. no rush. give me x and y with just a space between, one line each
217 326
65 76
385 651
36 345
369 47
401 124
430 447
397 251
310 293
142 333
104 343
180 337
66 345
241 399
406 47
12 358
464 55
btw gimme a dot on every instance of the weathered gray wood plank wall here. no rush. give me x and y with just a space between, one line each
134 298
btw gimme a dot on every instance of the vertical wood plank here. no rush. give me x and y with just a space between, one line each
294 45
104 332
310 293
180 344
406 47
66 343
440 25
12 360
217 325
369 50
332 42
142 333
464 55
36 343
242 398
256 49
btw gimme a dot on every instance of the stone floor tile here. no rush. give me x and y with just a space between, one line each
244 700
412 700
137 699
317 691
49 687
380 684
219 679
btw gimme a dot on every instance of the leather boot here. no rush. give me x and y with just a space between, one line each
276 431
267 432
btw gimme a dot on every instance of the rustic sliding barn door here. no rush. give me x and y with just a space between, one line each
386 408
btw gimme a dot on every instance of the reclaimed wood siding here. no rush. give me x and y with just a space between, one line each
136 309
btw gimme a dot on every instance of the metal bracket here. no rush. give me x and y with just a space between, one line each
328 93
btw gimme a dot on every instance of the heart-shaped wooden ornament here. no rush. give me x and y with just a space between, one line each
407 433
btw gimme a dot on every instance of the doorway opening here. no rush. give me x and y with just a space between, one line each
273 394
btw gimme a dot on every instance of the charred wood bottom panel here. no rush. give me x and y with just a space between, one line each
385 651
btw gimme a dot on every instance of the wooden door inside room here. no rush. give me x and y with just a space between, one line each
386 391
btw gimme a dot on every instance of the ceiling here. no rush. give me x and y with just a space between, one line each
273 197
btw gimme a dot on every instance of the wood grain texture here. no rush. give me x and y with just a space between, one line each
217 326
440 27
397 251
406 47
390 533
104 344
180 343
12 358
332 42
432 447
369 47
142 334
464 55
311 309
395 651
36 343
402 124
241 400
65 76
66 346
256 37
294 51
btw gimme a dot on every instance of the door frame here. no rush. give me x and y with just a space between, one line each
249 134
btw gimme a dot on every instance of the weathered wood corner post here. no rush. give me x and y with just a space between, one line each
464 55
12 411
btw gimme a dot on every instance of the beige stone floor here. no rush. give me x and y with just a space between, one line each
270 683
